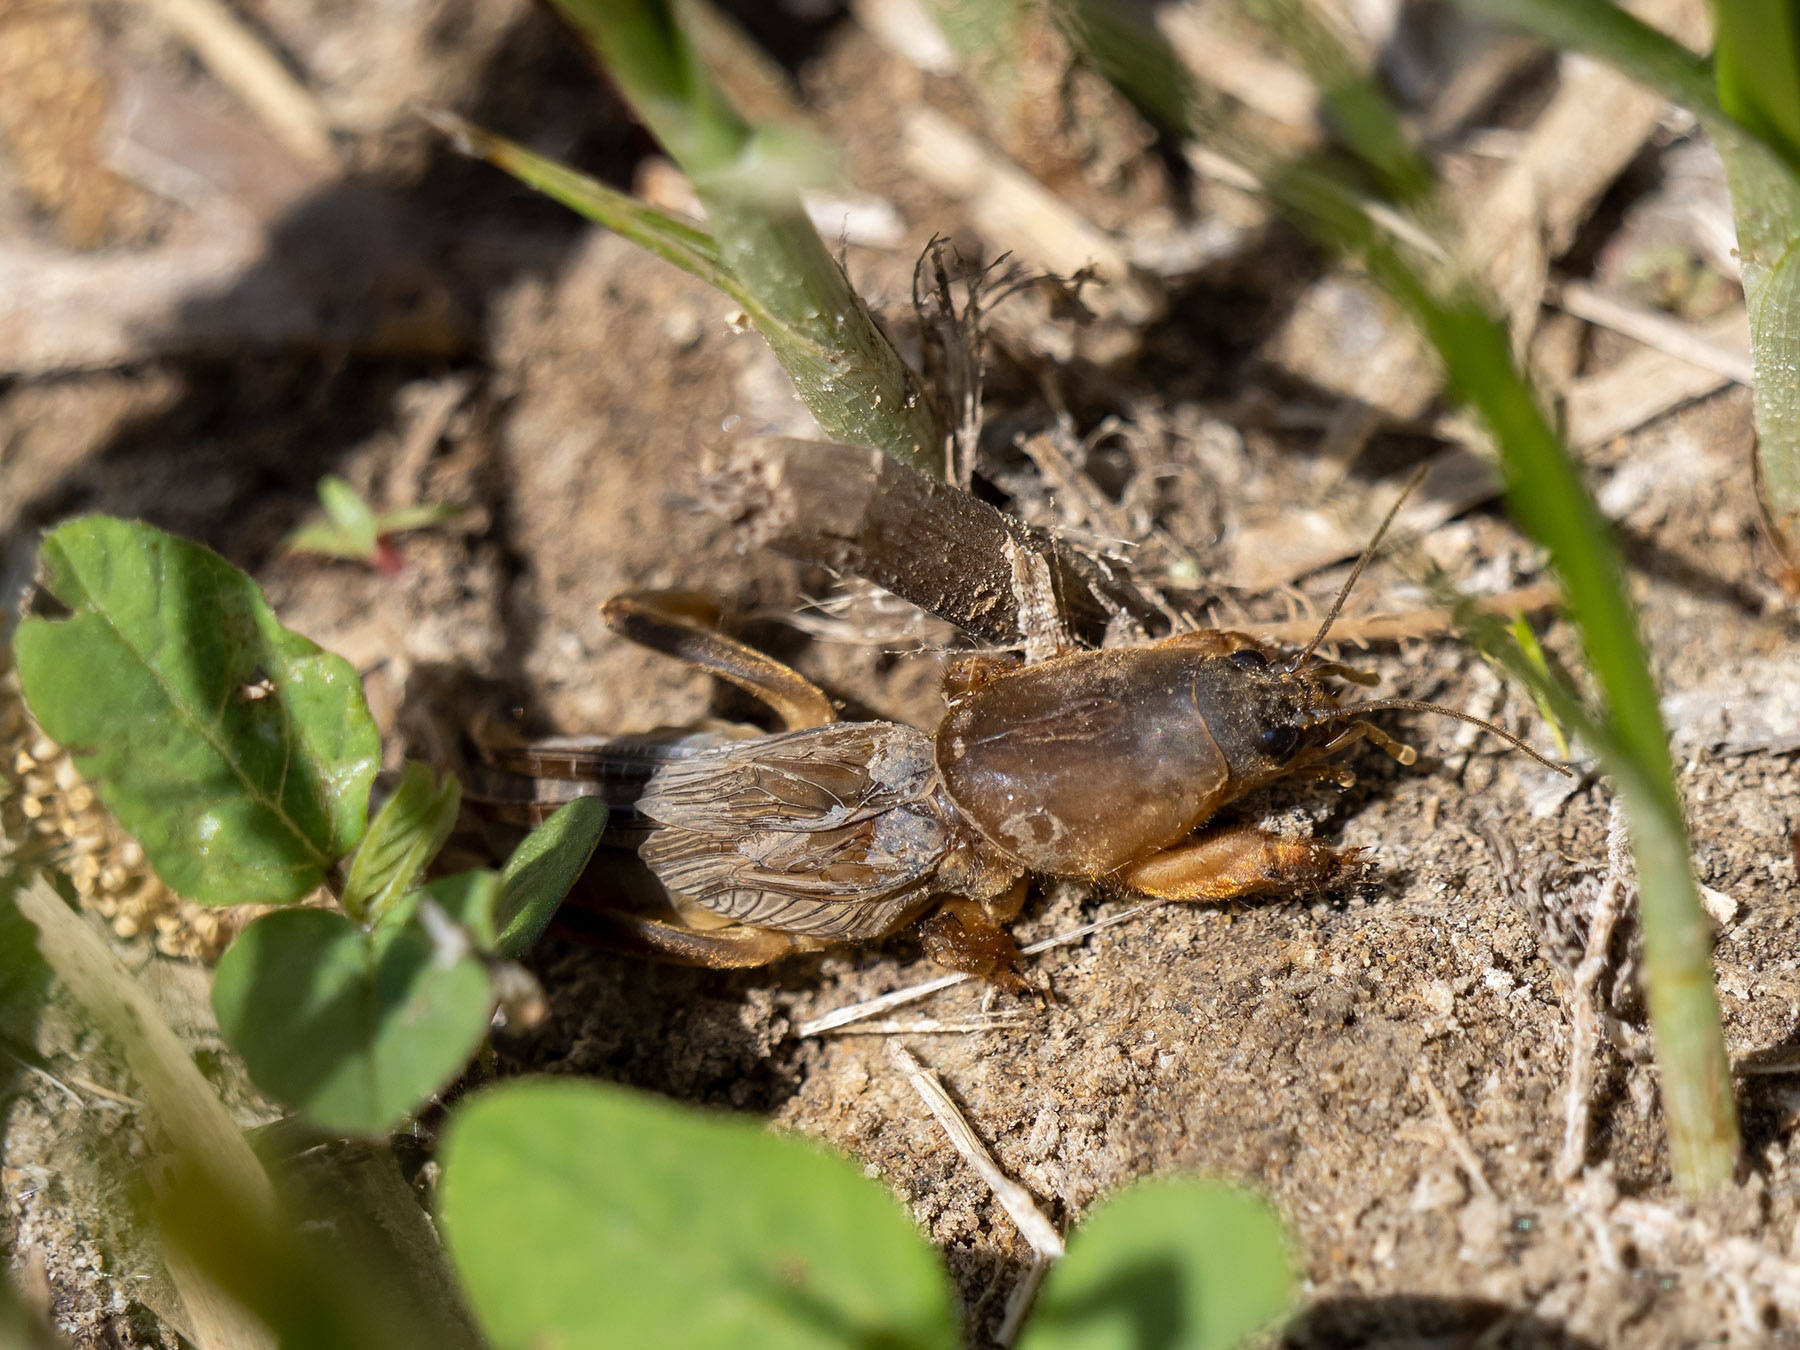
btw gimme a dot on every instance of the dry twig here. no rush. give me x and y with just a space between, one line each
1033 1224
1013 211
1584 1007
1018 1303
1454 1139
899 998
1664 1236
931 1026
1660 332
1432 621
240 61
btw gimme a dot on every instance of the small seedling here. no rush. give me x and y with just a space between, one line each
353 529
241 756
758 246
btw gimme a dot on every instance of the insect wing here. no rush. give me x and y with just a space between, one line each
831 830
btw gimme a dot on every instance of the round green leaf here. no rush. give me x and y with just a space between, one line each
239 754
583 1215
541 870
1189 1264
353 1029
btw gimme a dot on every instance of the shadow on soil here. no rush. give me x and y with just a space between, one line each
1408 1319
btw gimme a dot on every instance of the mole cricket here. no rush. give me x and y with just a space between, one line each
1104 766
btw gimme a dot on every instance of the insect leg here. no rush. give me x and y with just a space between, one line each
1359 729
959 935
972 670
732 947
671 623
1226 864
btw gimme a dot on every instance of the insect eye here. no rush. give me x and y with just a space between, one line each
1248 658
1280 740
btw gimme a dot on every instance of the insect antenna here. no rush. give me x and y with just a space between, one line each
1415 705
1295 661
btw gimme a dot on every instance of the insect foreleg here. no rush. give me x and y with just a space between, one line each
960 935
1359 730
1226 864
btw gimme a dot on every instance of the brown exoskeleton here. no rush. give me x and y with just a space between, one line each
1100 765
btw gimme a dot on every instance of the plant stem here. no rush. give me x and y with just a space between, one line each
1765 200
1747 114
846 370
1547 497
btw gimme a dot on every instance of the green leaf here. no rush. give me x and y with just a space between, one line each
405 835
469 899
673 238
238 753
1756 57
353 1029
327 540
1533 652
542 869
353 529
405 518
353 517
584 1215
1197 1264
1600 28
1359 110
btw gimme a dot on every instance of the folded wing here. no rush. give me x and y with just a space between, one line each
833 831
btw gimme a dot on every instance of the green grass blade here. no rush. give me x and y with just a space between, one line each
1600 28
667 235
1546 494
1752 113
1551 503
1124 48
1356 106
1756 57
1140 63
1765 201
845 369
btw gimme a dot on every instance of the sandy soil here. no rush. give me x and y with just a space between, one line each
1388 1061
